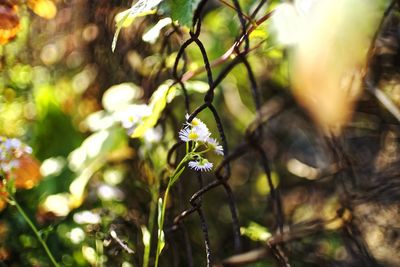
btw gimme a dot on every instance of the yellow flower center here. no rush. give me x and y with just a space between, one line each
195 122
192 135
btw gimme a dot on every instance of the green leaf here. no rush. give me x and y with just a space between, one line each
181 10
163 95
256 232
151 35
98 145
125 18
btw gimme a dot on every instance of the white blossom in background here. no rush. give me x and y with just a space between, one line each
132 116
153 135
11 149
87 217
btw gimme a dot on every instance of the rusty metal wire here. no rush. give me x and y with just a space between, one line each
221 179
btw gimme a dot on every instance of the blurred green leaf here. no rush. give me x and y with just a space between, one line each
53 134
255 232
196 86
97 145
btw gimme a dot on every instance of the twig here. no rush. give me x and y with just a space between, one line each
121 243
385 101
230 6
227 55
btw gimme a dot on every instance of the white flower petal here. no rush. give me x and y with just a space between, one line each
131 116
195 122
198 134
201 165
213 144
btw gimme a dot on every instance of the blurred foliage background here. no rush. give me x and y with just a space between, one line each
63 92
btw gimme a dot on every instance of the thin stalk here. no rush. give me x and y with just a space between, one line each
152 216
158 252
34 229
171 181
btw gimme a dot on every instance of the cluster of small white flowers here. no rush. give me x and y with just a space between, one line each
198 132
11 149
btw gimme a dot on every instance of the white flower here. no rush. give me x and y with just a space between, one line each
13 146
215 146
11 149
12 143
10 165
201 165
195 122
197 133
132 116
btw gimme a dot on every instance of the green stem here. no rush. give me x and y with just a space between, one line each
152 216
34 229
204 151
171 181
164 205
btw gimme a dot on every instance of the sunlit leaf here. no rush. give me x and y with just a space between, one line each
97 145
256 232
163 95
85 161
125 18
9 23
152 35
196 86
192 87
46 9
259 33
